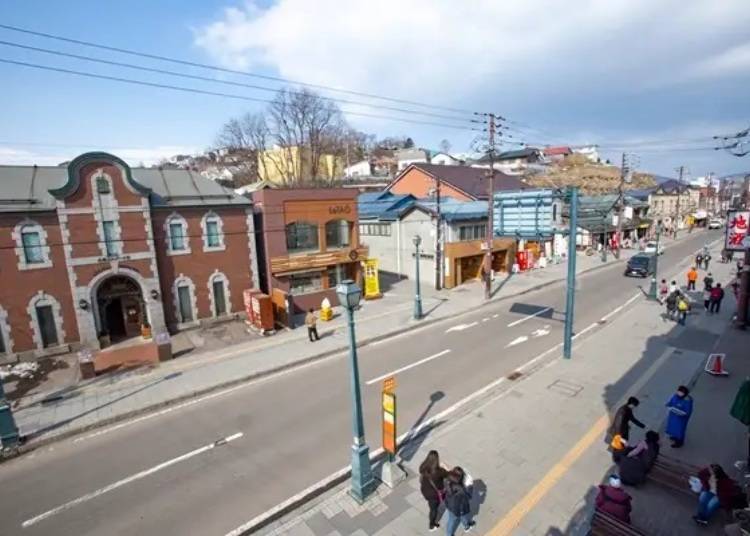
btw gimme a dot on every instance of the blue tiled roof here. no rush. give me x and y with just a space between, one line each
388 206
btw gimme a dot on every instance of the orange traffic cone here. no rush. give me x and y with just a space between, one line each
715 365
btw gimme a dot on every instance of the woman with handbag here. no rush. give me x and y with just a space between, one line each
432 477
718 490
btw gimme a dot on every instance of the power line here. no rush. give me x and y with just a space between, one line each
226 70
225 82
208 92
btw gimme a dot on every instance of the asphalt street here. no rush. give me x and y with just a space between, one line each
166 474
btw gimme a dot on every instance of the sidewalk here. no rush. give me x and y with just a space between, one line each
49 416
535 445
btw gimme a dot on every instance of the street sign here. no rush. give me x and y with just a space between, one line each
389 384
389 422
736 230
525 214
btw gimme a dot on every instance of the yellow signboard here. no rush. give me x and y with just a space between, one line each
372 282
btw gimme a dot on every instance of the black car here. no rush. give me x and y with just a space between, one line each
641 265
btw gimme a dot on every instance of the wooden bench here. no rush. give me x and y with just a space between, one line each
673 474
603 524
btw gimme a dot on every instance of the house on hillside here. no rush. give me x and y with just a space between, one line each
556 154
363 168
513 162
463 183
445 159
407 157
388 223
589 151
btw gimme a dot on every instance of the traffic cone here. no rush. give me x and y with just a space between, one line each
716 368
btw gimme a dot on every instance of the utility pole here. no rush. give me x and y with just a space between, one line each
438 244
490 209
620 204
679 196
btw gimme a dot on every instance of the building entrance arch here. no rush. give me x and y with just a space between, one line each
120 306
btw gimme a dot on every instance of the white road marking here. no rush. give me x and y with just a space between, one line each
517 340
407 367
485 319
525 318
495 315
461 327
541 332
128 480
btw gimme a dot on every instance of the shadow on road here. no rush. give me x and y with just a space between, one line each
416 436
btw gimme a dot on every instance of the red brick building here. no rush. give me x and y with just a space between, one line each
310 244
96 251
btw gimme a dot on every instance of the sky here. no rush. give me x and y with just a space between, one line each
657 78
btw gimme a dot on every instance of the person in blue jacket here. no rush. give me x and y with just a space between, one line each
680 408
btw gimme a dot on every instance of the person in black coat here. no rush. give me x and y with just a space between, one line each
623 418
432 485
457 502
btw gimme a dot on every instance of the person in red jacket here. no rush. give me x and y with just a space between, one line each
613 500
718 491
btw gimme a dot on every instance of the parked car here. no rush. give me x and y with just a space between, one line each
641 265
652 249
715 223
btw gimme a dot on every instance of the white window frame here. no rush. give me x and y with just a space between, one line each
213 217
172 219
40 299
5 333
30 226
219 276
184 281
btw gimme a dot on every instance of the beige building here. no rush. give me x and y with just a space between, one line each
672 203
289 166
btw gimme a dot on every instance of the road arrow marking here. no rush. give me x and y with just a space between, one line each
518 340
461 327
541 332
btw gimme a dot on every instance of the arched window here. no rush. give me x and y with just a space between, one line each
176 231
218 291
186 309
31 246
46 320
102 185
213 232
338 234
302 236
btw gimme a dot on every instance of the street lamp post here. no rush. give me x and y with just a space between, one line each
652 288
349 295
8 430
418 294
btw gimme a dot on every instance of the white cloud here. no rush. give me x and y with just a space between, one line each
733 60
445 51
53 157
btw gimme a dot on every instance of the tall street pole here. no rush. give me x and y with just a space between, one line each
652 293
490 210
417 293
620 205
438 240
570 296
362 480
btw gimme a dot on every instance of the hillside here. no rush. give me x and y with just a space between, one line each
589 177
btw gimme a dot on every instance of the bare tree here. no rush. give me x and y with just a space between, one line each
445 146
245 140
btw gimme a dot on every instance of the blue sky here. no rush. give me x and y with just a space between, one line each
654 78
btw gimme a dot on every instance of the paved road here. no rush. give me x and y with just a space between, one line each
160 475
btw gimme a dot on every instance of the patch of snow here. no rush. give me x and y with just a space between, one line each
19 370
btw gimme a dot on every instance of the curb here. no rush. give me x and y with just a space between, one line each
34 444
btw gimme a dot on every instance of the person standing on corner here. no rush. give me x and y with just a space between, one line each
432 477
706 260
457 503
680 408
312 328
708 281
692 277
717 295
699 259
623 417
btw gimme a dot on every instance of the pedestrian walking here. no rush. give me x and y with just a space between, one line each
623 417
699 259
708 281
312 329
457 503
706 298
673 287
671 303
706 260
432 477
692 277
680 408
717 490
717 295
683 306
614 501
663 291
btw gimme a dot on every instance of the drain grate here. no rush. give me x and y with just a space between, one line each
514 375
566 388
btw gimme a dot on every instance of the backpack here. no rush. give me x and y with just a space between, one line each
682 305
